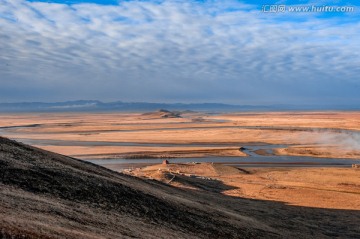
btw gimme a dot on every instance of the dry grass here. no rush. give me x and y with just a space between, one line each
337 188
46 195
296 128
329 151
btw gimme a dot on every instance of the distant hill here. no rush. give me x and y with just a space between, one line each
164 114
84 105
93 105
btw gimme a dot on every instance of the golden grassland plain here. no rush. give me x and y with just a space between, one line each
137 135
336 188
317 134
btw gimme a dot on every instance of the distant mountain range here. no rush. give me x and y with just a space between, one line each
93 105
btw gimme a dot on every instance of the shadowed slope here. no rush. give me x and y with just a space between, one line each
49 195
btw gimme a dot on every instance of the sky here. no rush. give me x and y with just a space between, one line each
179 51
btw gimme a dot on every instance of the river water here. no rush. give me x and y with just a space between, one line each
253 160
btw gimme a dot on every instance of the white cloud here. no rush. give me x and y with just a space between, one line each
176 51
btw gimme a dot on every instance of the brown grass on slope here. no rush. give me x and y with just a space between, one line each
46 195
49 195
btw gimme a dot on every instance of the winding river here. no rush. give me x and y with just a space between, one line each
253 160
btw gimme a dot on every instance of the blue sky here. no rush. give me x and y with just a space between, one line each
178 51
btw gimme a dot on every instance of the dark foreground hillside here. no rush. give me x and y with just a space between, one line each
49 195
46 195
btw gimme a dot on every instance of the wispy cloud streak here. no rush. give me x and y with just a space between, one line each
175 51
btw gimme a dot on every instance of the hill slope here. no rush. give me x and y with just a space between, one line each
46 195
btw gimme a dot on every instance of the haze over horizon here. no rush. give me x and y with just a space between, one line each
178 51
